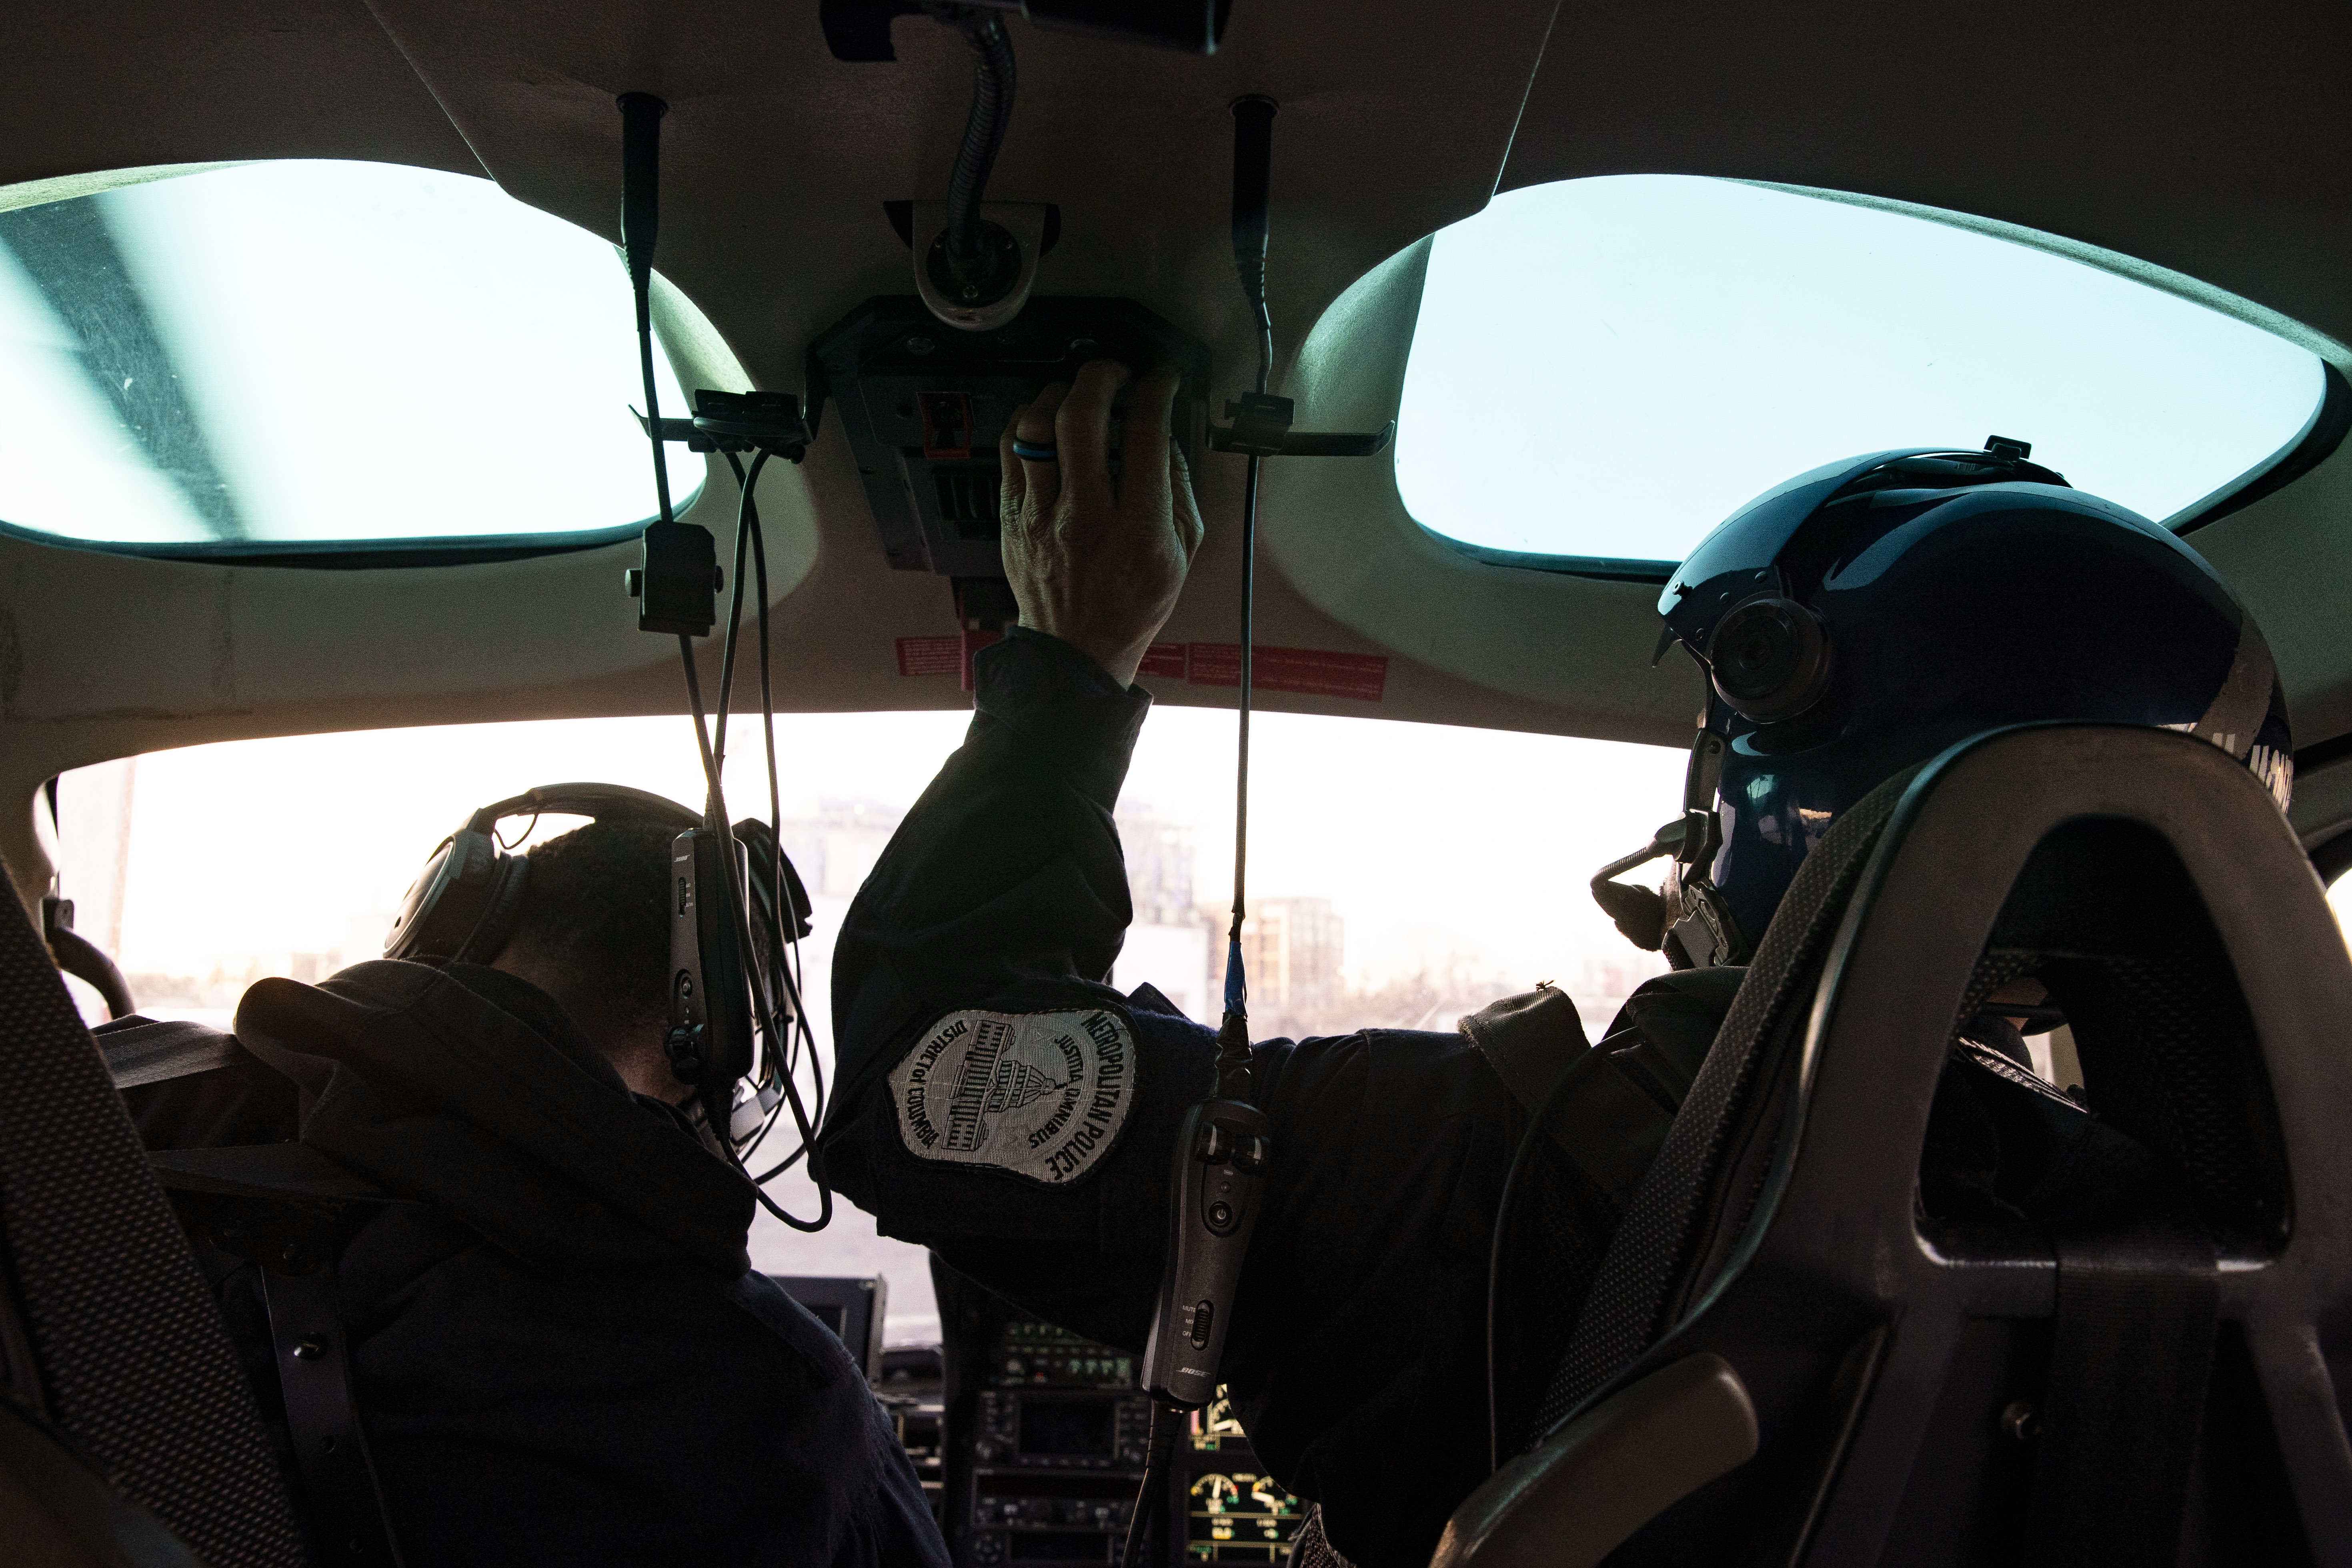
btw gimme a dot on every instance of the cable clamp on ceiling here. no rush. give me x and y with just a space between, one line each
1260 428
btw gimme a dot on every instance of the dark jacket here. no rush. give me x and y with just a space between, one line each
1358 1356
561 1353
1358 1352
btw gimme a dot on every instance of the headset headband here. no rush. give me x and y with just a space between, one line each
598 800
469 895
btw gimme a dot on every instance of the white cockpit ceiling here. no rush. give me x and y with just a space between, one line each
2200 148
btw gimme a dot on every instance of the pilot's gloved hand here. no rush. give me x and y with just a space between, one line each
1093 560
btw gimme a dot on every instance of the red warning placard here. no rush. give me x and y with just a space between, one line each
1163 658
930 656
1313 672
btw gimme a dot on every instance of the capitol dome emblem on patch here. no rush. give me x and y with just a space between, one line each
1041 1095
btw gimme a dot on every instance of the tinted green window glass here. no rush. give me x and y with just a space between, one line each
314 353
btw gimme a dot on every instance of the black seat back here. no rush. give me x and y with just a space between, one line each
2145 1377
109 1335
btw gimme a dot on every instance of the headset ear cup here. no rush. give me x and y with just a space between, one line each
449 900
406 939
488 938
1768 658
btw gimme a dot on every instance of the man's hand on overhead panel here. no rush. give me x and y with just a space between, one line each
1093 560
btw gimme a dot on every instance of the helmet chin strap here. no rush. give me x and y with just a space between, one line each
1704 935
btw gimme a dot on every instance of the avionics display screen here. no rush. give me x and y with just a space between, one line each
1067 1428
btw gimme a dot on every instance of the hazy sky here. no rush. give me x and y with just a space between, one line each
1423 835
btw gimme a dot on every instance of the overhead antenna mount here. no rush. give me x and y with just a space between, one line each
980 259
974 264
676 587
1261 422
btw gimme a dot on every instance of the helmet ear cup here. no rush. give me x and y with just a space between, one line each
1768 658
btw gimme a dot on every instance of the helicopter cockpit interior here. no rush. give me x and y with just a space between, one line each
405 405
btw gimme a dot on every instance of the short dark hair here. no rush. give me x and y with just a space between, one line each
596 907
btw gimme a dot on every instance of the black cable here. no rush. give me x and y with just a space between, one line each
714 805
1151 1497
983 135
1495 1262
641 117
1264 338
790 923
1232 1038
715 812
653 417
745 484
746 522
782 998
816 1173
1253 159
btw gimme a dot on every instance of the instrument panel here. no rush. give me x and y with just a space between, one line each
1232 1512
1046 1433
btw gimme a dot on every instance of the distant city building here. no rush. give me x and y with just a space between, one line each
1170 943
1292 950
1600 982
1168 946
1174 960
834 850
1159 868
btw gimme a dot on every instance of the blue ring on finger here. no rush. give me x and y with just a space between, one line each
1033 453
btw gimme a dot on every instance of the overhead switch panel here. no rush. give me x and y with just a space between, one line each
924 407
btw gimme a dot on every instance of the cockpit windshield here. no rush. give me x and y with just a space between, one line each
1405 907
246 357
1607 368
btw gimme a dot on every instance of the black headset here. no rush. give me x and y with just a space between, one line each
464 904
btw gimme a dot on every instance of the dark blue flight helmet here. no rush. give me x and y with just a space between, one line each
1866 615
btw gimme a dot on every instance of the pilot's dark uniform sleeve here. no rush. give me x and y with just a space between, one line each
1003 1105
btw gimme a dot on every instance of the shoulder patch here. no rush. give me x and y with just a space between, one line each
1041 1095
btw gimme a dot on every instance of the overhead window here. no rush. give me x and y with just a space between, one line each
313 353
1607 368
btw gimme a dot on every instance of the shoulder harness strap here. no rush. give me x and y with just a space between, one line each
284 1207
144 1050
1607 1107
